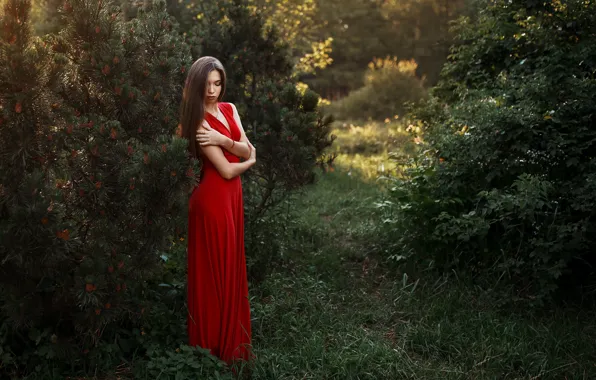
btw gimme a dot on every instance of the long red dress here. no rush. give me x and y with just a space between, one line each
219 312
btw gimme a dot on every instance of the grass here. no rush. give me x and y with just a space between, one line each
368 148
335 312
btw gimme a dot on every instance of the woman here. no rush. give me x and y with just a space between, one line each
218 308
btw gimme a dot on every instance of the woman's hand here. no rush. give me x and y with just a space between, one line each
209 136
253 153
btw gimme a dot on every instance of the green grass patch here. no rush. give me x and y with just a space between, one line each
333 223
368 148
333 311
376 328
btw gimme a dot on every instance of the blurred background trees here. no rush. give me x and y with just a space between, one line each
367 30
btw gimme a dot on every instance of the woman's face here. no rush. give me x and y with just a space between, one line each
212 87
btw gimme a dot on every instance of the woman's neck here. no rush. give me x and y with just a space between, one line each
211 108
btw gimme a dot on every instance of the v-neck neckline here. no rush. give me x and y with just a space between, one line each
229 126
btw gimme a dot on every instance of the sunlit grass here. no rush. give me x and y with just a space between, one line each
370 166
368 148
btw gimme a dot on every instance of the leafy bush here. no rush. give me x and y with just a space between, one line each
184 363
388 85
503 188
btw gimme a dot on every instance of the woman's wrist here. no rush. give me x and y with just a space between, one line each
226 142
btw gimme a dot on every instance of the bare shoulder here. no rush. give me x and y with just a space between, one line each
233 106
204 125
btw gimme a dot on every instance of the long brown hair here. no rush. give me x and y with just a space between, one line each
192 108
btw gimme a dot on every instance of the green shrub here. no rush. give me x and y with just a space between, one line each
184 363
88 149
503 189
388 85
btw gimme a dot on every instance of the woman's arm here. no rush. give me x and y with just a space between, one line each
243 137
239 148
209 136
226 169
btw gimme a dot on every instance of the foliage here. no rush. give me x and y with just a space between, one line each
183 363
422 27
317 59
365 30
388 85
504 185
42 12
294 20
87 148
159 342
296 23
291 138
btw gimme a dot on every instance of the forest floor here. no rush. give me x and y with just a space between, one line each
335 311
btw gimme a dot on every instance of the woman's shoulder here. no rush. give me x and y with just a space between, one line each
229 105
